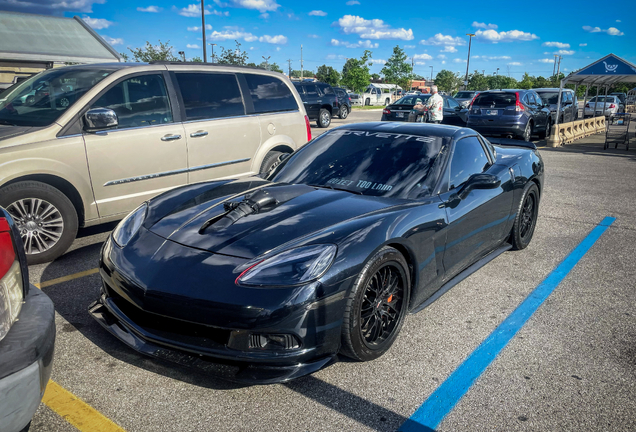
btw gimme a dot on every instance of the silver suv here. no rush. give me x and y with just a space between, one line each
84 145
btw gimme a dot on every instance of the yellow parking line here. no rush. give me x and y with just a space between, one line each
66 278
76 411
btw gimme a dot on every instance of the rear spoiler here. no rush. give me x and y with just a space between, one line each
512 142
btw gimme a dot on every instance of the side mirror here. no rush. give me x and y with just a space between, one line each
458 108
97 119
478 181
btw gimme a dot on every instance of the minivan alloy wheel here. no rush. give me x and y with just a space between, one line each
40 223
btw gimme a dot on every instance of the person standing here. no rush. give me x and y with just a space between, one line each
434 105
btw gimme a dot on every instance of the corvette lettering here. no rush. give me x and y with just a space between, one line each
383 135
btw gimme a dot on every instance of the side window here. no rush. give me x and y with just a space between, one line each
468 158
270 94
445 102
373 91
326 90
138 101
311 90
209 96
452 104
300 89
531 99
537 99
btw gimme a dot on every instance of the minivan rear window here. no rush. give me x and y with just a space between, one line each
495 100
210 95
270 94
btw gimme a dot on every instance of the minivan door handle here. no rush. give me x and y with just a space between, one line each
198 134
170 137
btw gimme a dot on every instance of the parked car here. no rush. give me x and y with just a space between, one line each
130 132
400 110
511 113
464 97
569 103
27 333
344 102
326 255
604 105
622 97
356 99
378 94
320 101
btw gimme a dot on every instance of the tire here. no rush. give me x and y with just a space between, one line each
344 112
44 238
526 218
546 132
527 133
362 311
367 102
324 118
387 102
269 161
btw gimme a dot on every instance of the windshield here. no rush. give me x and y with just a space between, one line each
41 99
551 97
464 95
367 163
603 99
412 100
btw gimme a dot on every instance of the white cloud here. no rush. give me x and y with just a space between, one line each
197 29
564 52
420 63
504 36
359 44
264 15
422 57
515 64
613 31
372 29
443 61
440 39
546 61
113 41
259 5
486 58
583 45
277 48
484 25
154 9
252 48
592 29
194 11
335 57
556 45
378 61
193 46
97 23
317 13
232 34
278 39
409 46
457 60
313 36
449 49
441 56
353 2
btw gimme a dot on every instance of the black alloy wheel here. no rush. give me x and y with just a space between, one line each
548 129
270 160
527 133
526 219
376 308
344 112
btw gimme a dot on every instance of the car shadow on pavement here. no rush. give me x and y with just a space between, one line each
595 149
96 229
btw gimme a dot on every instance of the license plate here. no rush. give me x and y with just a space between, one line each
598 112
492 112
399 115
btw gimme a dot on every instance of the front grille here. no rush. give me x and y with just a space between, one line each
171 329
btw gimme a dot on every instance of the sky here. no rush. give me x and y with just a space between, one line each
515 37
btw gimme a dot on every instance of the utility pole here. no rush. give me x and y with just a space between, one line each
431 73
559 67
301 62
290 71
205 57
554 64
470 39
266 61
212 54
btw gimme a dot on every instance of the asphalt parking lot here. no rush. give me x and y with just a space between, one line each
572 366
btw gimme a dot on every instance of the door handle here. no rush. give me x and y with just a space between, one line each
170 137
198 134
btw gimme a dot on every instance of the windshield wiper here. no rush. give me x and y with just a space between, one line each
335 188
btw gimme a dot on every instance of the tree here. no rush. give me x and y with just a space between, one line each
375 76
477 81
397 70
124 56
355 72
328 75
527 82
196 59
447 80
233 56
151 52
306 73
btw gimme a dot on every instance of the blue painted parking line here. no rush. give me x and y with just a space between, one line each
430 414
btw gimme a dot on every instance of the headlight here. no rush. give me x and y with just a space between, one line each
130 225
11 289
292 267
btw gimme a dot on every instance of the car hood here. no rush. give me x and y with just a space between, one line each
258 219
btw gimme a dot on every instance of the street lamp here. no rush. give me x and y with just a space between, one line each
205 57
470 39
496 77
212 54
266 61
182 54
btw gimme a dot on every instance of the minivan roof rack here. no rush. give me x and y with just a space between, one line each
166 62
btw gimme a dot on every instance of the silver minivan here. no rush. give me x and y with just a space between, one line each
83 145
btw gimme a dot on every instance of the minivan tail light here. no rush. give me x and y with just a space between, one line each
7 253
518 104
308 128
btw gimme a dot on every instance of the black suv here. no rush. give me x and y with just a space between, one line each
512 113
320 101
344 102
569 103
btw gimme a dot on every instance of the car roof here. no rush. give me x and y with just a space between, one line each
421 129
552 89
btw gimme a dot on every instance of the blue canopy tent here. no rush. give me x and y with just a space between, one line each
609 70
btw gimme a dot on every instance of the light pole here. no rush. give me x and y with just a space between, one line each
554 65
496 75
205 57
266 61
470 40
182 54
212 53
431 72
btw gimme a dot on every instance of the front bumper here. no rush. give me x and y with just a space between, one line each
27 358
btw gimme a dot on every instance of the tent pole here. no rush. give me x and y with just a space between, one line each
587 87
576 86
595 102
556 122
553 139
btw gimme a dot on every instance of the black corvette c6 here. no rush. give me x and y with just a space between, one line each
265 280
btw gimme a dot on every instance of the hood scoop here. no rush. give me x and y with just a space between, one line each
259 201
